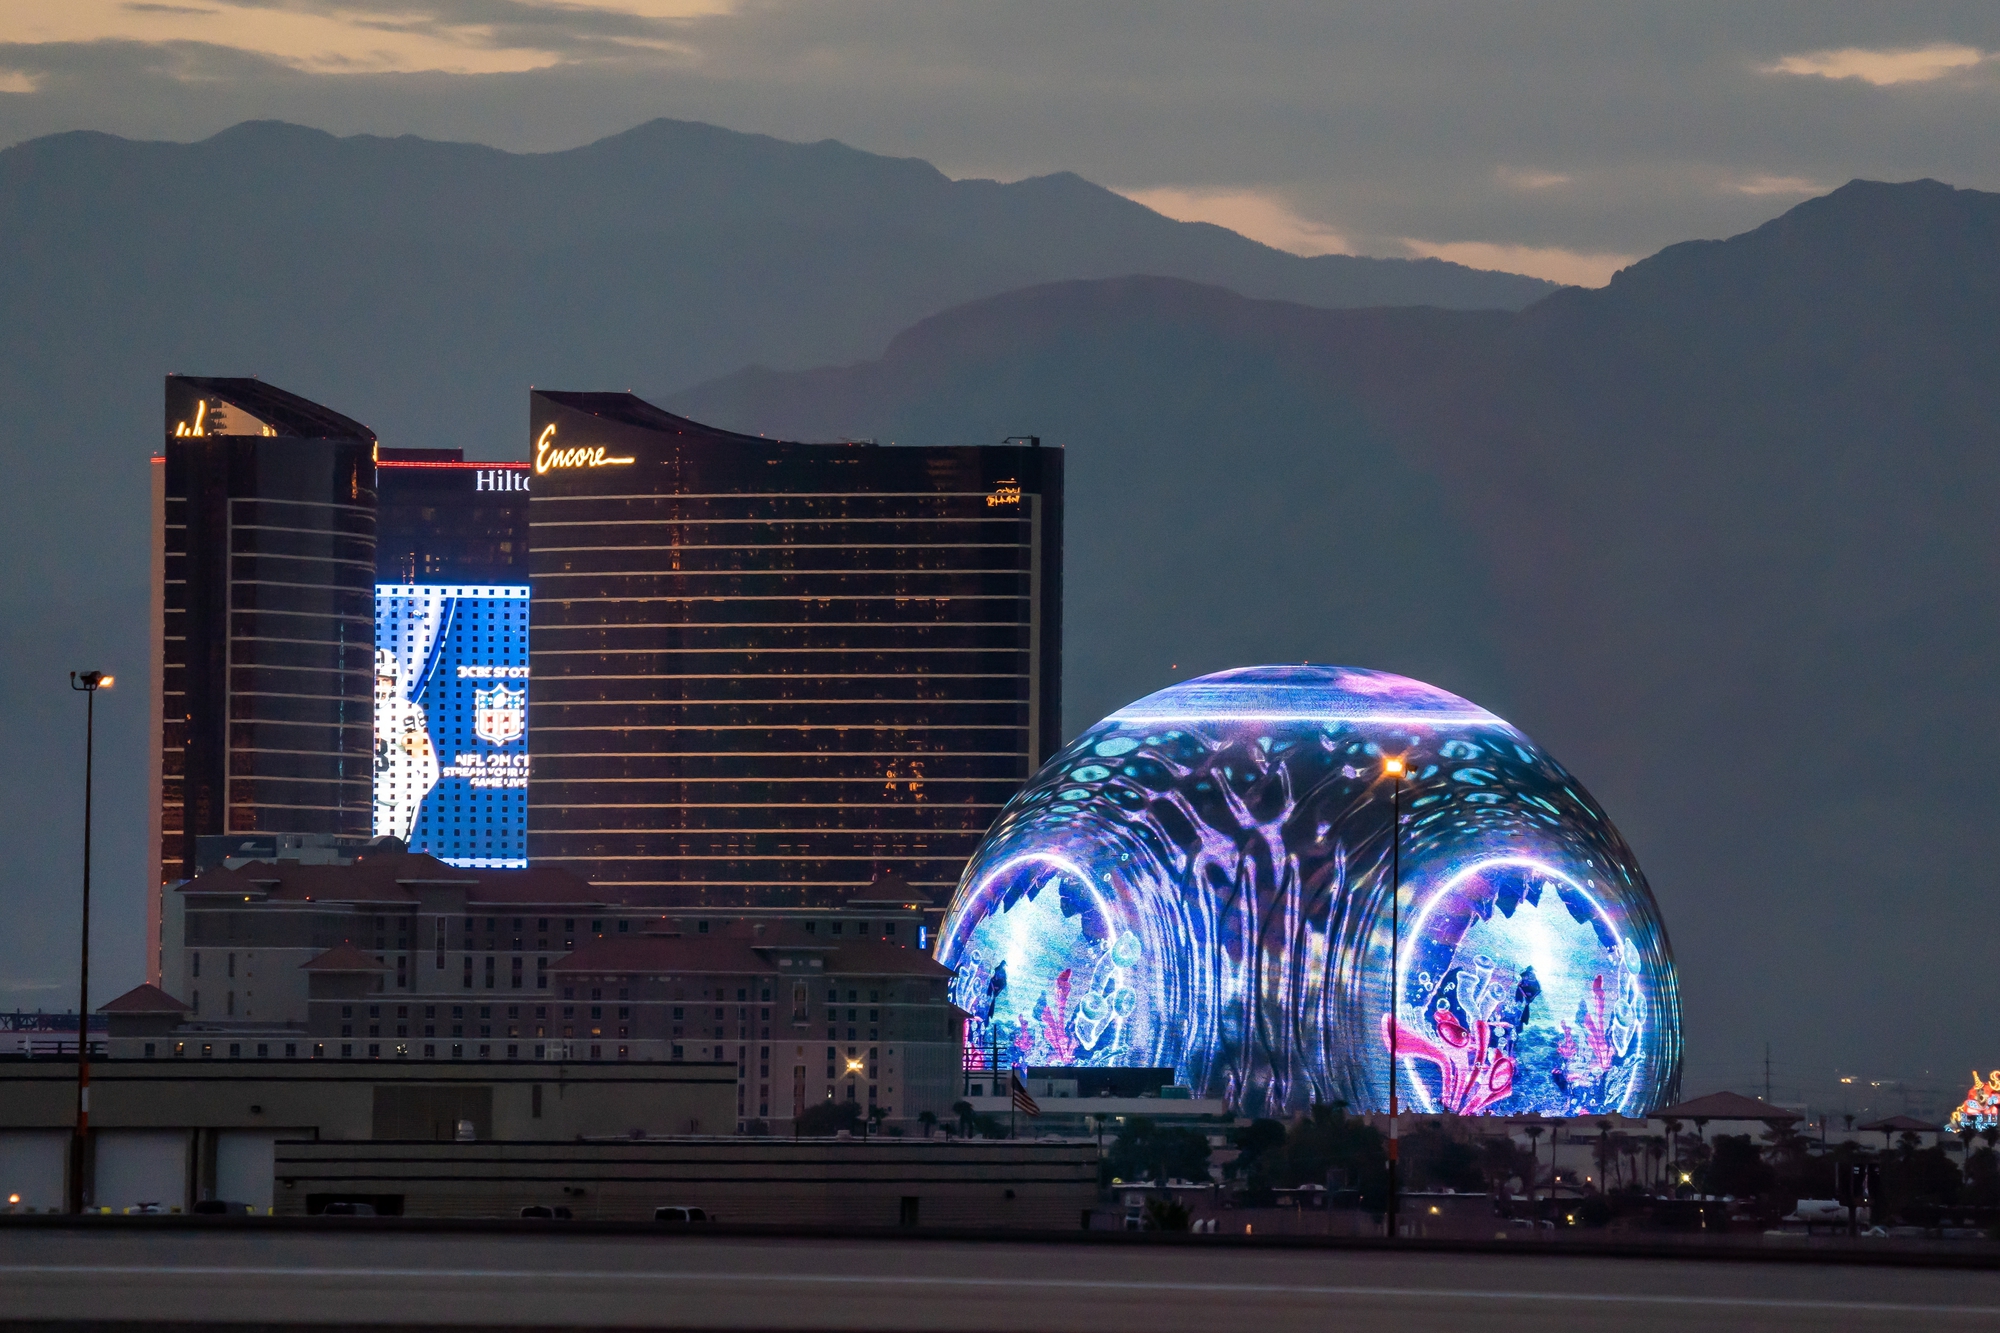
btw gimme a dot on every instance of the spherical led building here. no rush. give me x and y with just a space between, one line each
1203 881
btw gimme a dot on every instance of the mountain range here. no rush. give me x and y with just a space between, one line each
1721 535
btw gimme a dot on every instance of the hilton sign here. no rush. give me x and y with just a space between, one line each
500 479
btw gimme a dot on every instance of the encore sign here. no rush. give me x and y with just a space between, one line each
550 455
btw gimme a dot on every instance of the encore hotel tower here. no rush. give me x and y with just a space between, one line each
765 674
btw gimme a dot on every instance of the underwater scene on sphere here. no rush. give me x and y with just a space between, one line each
1203 881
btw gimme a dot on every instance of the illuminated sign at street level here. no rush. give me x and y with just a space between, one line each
1202 881
548 455
451 755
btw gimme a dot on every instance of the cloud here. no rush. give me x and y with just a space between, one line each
1312 127
477 37
1260 215
1577 267
18 81
1779 185
1910 64
1516 179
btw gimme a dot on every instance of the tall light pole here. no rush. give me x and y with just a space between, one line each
88 683
1393 769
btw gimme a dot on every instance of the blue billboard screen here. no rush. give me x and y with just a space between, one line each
451 714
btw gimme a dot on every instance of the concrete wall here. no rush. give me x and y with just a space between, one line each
829 1182
135 1166
33 1164
175 1131
337 1099
243 1163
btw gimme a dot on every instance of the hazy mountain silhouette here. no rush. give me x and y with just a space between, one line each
421 287
1722 535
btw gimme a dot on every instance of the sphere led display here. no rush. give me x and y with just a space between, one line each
1202 881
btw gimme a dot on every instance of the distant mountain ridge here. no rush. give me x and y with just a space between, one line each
1720 535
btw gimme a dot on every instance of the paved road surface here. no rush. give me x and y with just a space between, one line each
720 1282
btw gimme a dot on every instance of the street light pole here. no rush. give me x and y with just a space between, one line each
88 683
1394 769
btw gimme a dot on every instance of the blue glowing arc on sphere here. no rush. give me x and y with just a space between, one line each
1202 881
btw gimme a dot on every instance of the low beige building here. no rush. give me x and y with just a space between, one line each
398 957
458 1139
878 1182
172 1131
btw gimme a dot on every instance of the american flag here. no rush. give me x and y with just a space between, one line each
1018 1090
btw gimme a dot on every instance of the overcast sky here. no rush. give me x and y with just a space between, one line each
1557 139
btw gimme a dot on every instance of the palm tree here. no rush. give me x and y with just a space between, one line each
1674 1142
1534 1161
1500 1161
1629 1148
927 1119
1656 1148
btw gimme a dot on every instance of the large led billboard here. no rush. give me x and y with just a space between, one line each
451 715
1204 880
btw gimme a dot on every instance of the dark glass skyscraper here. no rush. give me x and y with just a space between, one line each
765 672
265 529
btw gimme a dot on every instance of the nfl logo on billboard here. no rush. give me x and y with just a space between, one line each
499 715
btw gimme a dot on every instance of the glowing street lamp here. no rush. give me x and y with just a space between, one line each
1393 768
87 683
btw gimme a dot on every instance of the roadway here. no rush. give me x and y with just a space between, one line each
410 1280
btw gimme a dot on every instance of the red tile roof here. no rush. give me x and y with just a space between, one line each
1898 1124
1728 1106
889 888
881 958
145 1000
343 958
